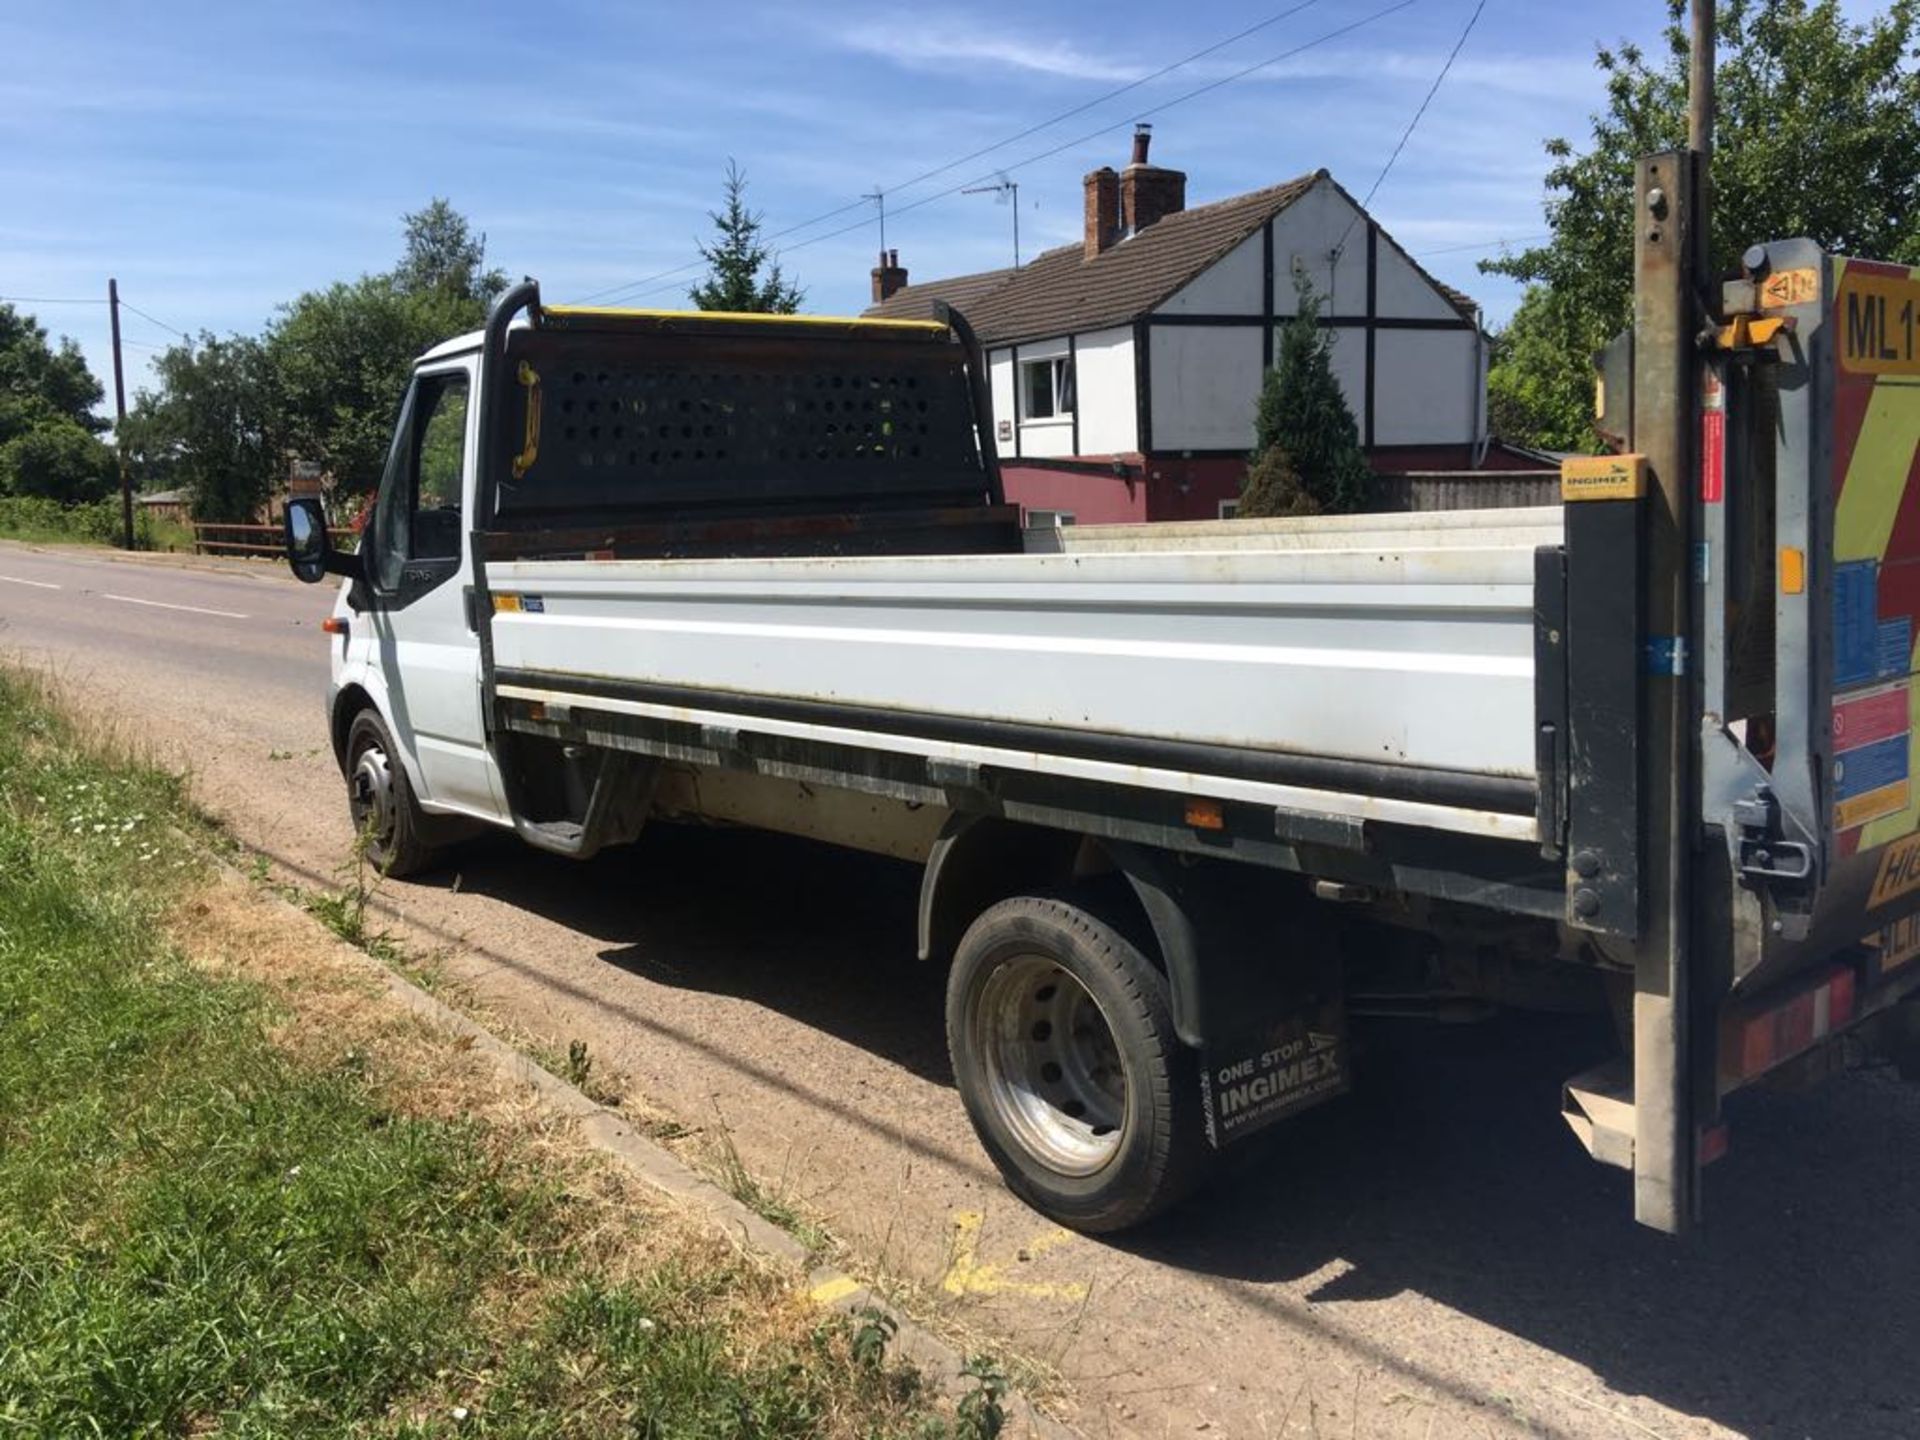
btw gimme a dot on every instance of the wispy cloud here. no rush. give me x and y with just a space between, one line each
1537 76
927 44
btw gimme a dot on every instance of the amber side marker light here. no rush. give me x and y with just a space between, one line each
1793 570
334 625
1206 815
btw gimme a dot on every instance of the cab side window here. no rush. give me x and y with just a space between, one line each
417 516
440 468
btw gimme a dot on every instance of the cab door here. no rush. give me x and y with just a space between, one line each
418 569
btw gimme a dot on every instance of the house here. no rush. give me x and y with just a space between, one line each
1125 368
171 505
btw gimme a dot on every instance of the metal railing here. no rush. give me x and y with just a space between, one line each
263 542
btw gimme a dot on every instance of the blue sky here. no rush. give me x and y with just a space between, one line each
219 158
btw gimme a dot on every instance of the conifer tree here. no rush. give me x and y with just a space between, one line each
736 258
1304 415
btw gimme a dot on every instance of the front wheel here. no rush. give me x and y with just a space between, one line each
1066 1059
385 815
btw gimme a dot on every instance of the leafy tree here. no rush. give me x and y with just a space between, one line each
342 357
444 254
40 383
1303 414
57 460
151 448
217 412
48 430
735 259
1817 134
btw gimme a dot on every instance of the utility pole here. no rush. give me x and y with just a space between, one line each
1700 82
1671 226
120 420
1700 119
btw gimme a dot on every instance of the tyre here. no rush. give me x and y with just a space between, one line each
1064 1051
381 801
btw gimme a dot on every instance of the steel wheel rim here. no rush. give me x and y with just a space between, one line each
370 793
1054 1075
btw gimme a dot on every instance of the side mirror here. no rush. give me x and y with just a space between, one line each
308 545
310 551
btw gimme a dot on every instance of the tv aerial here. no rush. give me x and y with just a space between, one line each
1004 189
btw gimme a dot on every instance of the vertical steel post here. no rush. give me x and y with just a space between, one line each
120 419
1666 190
1700 100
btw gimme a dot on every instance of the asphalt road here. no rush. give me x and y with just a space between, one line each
1431 1256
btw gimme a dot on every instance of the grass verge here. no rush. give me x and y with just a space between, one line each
40 521
240 1195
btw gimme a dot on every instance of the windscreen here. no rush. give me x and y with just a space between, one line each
644 423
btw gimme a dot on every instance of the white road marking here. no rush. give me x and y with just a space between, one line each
163 605
37 584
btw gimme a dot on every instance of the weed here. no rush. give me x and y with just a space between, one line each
579 1064
873 1332
982 1413
770 1205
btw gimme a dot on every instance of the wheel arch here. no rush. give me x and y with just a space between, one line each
355 696
979 860
351 699
1237 916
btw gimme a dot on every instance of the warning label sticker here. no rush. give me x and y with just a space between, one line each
1866 717
1870 781
1871 754
1789 287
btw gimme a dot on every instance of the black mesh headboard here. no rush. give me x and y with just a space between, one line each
641 422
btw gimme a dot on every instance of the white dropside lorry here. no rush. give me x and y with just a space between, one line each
631 567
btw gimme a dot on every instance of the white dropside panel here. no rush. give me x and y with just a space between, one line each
1418 655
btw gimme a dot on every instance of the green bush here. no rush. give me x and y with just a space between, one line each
34 517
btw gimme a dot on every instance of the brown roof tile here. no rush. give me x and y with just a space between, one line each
963 292
1061 290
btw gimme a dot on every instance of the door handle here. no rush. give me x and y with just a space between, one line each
530 446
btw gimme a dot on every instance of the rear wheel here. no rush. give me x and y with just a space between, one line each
1064 1051
381 801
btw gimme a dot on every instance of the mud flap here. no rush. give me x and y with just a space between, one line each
1286 1067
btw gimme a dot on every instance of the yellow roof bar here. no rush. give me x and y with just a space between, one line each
735 317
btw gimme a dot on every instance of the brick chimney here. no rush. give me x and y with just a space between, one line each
1148 193
888 276
1103 209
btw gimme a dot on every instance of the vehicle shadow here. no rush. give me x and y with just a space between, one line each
823 936
1795 1312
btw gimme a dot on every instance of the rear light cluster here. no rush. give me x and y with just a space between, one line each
1755 1044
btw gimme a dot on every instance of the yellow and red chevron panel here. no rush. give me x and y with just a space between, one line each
1875 426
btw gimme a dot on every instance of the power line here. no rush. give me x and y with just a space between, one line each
1485 244
1407 134
126 304
1077 141
50 300
1013 139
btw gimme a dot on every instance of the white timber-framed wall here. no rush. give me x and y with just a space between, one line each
1185 378
1104 419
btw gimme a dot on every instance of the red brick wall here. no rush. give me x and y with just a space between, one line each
1093 499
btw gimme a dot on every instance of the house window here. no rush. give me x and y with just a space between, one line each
1046 389
1229 509
1055 518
